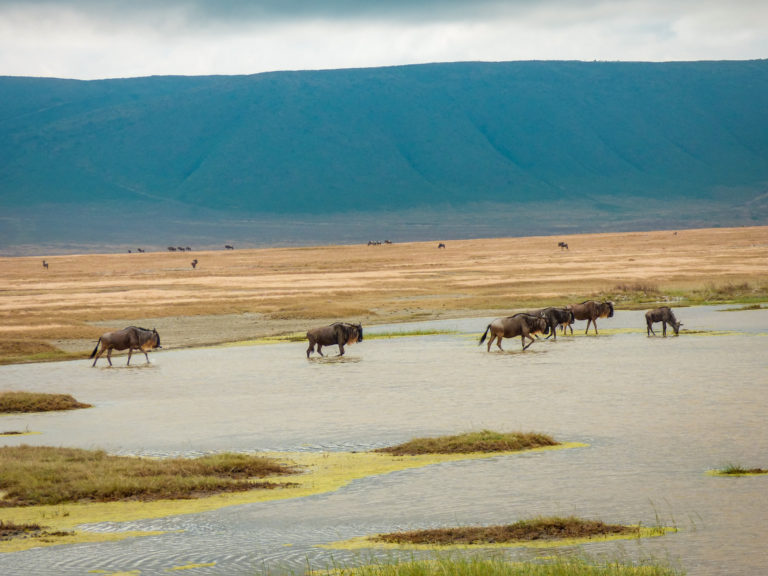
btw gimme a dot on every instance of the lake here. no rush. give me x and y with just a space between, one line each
657 414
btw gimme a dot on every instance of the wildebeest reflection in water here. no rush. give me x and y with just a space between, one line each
132 338
523 325
338 333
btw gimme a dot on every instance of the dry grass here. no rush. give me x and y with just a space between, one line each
36 402
553 528
43 475
248 294
484 441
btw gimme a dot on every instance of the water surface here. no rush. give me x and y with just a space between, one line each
657 413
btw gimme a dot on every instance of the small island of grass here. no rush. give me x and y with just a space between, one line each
21 402
470 442
538 529
41 475
738 470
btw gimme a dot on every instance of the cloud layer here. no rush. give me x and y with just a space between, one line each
106 38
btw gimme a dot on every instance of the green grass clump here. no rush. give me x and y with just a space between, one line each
738 470
499 566
38 475
11 402
484 441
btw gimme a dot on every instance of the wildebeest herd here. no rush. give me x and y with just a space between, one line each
524 324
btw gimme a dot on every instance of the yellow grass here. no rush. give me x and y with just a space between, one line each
249 294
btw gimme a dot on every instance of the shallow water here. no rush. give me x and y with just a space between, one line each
657 413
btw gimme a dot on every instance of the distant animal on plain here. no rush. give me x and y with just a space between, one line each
387 241
194 263
339 334
556 317
45 264
522 324
664 315
139 250
563 245
131 338
441 245
590 310
229 247
188 249
171 248
374 243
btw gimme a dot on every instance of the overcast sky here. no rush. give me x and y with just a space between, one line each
124 38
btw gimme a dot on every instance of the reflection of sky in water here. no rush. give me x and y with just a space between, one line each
656 412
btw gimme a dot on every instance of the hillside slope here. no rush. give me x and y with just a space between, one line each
603 136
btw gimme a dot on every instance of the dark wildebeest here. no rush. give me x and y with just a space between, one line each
555 317
441 245
45 264
591 311
194 263
132 338
663 315
523 325
338 333
229 247
563 245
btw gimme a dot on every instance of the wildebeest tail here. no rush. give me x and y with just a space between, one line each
482 338
95 349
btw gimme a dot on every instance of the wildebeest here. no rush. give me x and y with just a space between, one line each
229 246
563 245
522 324
338 333
45 264
132 338
590 311
555 317
663 315
194 263
441 245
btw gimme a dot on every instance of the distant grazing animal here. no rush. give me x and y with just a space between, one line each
663 315
194 263
441 245
132 338
563 245
523 325
171 248
139 250
338 333
387 241
45 264
229 247
555 317
590 311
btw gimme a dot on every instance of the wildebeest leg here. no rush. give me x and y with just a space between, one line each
310 349
146 356
589 320
650 331
525 335
97 355
109 356
130 351
498 342
319 348
341 349
664 327
490 341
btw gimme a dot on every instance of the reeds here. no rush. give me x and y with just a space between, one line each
44 475
483 441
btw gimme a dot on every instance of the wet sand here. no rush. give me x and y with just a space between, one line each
235 295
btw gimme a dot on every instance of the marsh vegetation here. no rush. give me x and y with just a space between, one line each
483 441
12 402
41 475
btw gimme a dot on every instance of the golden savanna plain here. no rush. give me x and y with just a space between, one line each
247 294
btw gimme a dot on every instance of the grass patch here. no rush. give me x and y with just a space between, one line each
500 566
11 402
484 441
738 470
11 530
553 528
406 333
44 475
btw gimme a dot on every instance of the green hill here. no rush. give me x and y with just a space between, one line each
556 146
